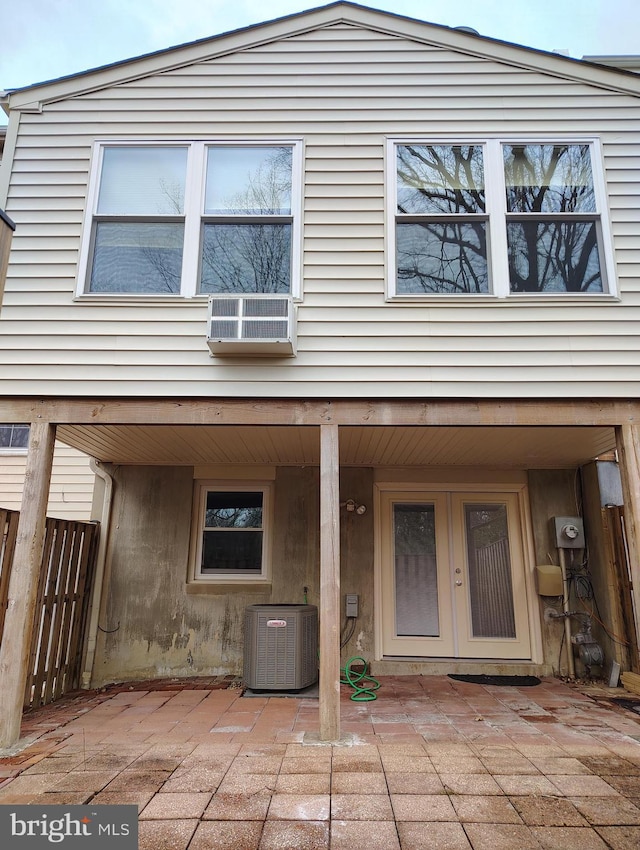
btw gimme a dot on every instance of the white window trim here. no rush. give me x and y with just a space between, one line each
201 488
497 256
193 214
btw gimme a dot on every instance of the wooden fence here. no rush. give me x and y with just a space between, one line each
64 593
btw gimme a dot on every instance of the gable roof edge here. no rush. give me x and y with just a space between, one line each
33 97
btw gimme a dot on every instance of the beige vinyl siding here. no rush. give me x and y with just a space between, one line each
71 489
343 90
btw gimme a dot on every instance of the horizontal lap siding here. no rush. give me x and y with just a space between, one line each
71 489
343 90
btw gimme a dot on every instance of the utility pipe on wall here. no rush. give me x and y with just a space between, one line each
99 579
567 614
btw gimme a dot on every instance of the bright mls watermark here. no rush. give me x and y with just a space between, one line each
36 827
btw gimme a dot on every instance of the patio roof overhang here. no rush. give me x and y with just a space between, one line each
521 447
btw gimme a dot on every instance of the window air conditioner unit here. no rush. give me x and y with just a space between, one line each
280 647
251 325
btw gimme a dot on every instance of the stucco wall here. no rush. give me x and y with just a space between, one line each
552 492
151 625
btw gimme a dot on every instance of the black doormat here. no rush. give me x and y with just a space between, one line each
629 704
509 681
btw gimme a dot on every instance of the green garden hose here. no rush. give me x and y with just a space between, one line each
356 680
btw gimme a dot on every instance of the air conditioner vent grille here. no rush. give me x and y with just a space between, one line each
266 307
221 329
251 325
227 306
280 647
264 329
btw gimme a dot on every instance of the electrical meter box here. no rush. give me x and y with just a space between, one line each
549 580
569 532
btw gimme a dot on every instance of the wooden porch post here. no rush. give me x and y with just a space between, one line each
628 442
329 584
23 584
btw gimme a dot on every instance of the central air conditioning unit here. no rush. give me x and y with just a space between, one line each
251 325
280 647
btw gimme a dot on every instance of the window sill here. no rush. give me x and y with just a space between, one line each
128 297
198 298
524 298
212 588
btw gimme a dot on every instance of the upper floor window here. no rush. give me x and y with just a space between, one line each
14 437
497 218
194 218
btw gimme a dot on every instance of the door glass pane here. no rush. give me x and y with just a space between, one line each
489 565
416 584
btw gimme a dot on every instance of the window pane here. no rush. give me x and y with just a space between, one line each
440 179
554 256
445 257
248 181
416 577
233 510
14 436
142 181
137 257
548 178
246 258
232 552
20 437
489 561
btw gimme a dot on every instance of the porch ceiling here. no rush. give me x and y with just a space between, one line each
499 446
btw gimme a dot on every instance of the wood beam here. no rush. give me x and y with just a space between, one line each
23 584
628 441
314 412
329 584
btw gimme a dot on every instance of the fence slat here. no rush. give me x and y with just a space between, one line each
9 530
62 609
36 648
86 572
61 604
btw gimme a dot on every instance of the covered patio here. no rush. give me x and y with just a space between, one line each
432 762
328 435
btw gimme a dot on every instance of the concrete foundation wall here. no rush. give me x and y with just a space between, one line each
552 492
152 626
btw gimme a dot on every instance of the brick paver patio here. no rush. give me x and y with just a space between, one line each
432 763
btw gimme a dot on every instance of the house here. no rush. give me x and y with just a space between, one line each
342 303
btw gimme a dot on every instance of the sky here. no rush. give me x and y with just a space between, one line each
45 39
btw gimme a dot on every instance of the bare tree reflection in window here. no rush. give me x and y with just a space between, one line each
252 255
552 223
441 246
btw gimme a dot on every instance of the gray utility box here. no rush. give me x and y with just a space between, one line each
280 647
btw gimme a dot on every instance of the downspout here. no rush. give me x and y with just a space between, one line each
98 583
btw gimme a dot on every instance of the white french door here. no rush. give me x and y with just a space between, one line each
452 575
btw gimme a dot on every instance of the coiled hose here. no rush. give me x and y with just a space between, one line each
356 679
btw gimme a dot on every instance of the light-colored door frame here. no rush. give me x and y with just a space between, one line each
474 482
